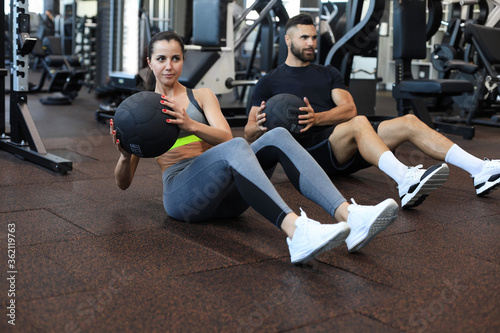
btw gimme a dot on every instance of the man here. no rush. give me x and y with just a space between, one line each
343 142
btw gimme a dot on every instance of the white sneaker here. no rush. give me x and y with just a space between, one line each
419 183
366 222
312 238
488 179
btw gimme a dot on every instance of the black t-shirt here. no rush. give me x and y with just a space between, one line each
314 81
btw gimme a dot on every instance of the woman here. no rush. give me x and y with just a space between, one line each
208 174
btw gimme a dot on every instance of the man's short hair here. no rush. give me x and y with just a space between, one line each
303 19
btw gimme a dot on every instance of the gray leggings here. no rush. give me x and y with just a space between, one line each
228 178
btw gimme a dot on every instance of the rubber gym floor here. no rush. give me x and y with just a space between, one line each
92 258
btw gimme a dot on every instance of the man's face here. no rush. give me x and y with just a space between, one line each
303 42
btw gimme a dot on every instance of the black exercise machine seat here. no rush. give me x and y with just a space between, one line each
209 36
65 72
434 87
410 37
487 40
52 67
196 65
53 48
40 52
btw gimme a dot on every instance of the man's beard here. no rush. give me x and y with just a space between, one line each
300 55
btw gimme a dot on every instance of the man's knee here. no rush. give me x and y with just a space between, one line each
411 120
361 125
360 122
350 130
406 124
399 129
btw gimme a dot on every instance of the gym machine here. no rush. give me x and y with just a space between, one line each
66 73
24 140
453 46
494 14
410 35
210 60
268 45
360 39
357 40
463 56
129 35
478 105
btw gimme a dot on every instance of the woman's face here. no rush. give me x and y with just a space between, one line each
166 62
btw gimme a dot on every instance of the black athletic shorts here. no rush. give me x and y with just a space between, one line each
318 145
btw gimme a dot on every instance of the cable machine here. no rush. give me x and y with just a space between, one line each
24 140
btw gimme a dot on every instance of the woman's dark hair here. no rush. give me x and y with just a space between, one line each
150 83
164 35
303 19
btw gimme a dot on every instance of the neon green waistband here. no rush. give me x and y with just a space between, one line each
185 140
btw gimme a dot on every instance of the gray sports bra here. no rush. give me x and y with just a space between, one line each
194 112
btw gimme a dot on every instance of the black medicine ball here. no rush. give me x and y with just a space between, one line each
141 125
282 110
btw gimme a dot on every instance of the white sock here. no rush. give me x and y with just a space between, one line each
462 159
389 164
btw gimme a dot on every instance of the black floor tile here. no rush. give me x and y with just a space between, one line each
271 296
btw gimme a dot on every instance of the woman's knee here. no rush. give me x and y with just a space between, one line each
237 145
278 136
238 151
238 142
278 133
